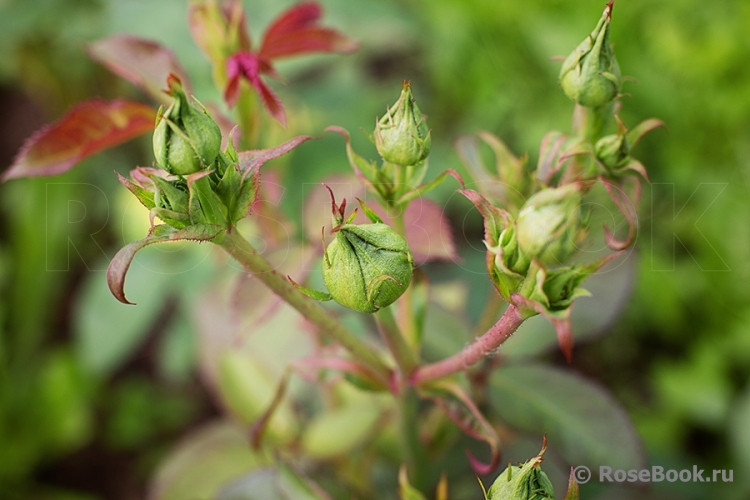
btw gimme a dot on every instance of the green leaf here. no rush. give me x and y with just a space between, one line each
581 420
273 483
339 431
205 462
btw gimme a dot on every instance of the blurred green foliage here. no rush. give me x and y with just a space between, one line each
679 356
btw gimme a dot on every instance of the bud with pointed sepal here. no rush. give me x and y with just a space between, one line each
523 482
401 135
186 139
590 75
550 226
368 266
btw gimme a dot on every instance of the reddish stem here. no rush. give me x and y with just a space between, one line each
473 353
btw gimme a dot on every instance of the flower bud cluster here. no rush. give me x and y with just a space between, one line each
196 182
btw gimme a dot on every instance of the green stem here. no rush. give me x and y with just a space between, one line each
412 451
589 123
248 116
405 357
249 257
406 303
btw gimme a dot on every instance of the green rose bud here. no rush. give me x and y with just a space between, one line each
590 75
549 226
401 135
612 150
368 266
525 482
186 139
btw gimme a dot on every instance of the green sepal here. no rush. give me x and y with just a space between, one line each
145 196
574 490
406 490
415 193
374 218
313 294
177 220
175 197
205 205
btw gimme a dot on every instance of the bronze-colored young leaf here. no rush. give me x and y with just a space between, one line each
86 129
144 63
118 268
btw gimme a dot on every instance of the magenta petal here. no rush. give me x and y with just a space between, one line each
249 65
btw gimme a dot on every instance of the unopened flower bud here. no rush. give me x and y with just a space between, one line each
612 150
525 482
549 226
186 139
590 75
401 135
368 266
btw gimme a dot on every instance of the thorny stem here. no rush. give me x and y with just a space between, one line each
473 353
253 262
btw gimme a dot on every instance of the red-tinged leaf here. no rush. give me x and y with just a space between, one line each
145 63
563 327
428 232
88 128
574 491
643 128
310 368
118 268
495 219
626 208
295 32
250 160
549 155
307 41
463 412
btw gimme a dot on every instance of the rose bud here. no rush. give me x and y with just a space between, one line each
368 266
590 75
612 150
549 226
186 139
401 135
524 482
